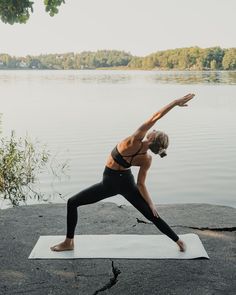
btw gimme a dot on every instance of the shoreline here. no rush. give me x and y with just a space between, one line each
120 204
122 69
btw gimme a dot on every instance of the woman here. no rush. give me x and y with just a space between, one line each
118 179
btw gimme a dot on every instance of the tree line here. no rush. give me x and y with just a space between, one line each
192 58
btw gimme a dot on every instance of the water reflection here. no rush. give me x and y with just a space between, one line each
71 76
122 77
104 78
184 77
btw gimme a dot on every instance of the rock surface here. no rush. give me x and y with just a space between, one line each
22 226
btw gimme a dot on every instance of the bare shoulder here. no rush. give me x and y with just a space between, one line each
138 135
134 138
129 142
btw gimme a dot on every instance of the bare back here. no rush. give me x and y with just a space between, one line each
128 147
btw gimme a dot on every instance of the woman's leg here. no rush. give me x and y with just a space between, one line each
89 195
136 199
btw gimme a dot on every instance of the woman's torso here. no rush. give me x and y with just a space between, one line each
128 149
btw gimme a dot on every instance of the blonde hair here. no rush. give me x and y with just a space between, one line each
161 142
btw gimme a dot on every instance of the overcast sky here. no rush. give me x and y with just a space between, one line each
136 26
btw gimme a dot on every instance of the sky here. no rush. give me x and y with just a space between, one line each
136 26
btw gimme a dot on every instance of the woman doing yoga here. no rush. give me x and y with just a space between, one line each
118 178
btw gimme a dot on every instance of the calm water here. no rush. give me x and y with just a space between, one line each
81 115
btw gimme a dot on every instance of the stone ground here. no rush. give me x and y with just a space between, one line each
22 226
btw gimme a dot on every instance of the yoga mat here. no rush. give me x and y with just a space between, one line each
130 246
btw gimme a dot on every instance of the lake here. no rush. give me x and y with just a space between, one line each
81 115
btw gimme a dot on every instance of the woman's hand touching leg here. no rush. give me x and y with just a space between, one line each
154 209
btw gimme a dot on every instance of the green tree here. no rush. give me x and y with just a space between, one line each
18 11
5 58
135 63
210 54
229 60
148 62
213 64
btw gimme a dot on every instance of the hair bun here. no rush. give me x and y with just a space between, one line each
160 143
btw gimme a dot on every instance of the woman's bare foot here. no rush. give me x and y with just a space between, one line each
182 246
67 245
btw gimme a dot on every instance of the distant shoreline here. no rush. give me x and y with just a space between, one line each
189 58
119 69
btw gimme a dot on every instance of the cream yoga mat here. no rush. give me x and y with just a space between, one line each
130 246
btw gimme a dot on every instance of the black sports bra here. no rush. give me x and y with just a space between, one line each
119 159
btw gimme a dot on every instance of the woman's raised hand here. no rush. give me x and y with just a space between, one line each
183 100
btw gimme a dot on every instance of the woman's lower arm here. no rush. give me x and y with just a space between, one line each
163 111
177 102
159 222
143 190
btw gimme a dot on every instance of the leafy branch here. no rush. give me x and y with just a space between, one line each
18 11
21 161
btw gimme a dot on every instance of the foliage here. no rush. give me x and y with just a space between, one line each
21 161
192 58
229 60
15 11
84 60
18 11
51 6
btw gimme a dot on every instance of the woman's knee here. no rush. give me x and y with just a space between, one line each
71 203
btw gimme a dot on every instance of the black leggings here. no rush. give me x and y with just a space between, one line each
114 182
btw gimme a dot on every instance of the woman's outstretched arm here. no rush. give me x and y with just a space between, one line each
142 130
